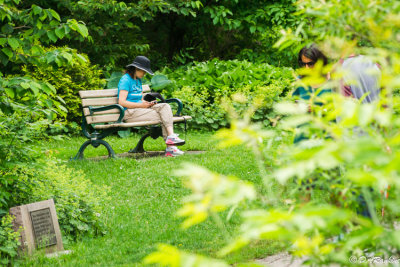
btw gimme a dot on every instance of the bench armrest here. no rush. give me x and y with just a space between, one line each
121 110
179 102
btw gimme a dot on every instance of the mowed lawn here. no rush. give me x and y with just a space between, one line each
145 196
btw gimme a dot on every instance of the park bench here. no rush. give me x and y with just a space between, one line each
102 116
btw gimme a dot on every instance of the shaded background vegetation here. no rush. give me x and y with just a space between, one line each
177 32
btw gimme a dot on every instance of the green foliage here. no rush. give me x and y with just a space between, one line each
115 34
27 105
349 157
167 255
79 203
24 32
18 135
9 241
204 87
159 82
350 150
113 81
222 29
15 187
173 32
256 26
68 80
208 197
25 29
25 94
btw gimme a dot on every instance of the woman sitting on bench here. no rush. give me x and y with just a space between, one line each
137 109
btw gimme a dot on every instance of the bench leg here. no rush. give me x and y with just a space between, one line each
139 146
95 143
154 132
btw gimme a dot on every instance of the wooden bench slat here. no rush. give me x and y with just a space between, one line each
137 124
99 101
145 88
86 111
106 92
98 93
102 118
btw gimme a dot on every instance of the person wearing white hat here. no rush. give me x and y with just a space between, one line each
137 109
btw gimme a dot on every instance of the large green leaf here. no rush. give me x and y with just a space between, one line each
124 134
8 52
60 32
114 79
159 82
13 42
52 36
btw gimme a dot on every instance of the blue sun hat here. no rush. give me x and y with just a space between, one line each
143 63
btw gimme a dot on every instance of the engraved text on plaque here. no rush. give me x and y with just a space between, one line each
43 228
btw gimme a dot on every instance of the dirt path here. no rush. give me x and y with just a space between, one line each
281 260
144 155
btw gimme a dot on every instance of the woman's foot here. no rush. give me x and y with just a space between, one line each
173 151
174 140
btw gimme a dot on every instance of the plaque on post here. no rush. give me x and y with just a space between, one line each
40 229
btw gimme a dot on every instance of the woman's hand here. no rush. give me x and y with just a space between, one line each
146 104
123 102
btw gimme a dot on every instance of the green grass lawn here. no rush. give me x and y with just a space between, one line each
145 196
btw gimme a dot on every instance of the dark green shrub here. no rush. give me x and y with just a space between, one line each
204 87
18 132
69 80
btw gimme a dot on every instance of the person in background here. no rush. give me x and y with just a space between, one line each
361 78
307 58
137 109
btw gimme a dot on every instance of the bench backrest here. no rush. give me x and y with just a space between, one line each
99 98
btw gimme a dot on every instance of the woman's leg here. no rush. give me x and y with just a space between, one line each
144 114
165 113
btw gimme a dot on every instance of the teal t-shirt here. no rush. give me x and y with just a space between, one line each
134 88
305 93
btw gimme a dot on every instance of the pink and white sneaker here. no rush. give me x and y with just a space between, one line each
174 140
173 151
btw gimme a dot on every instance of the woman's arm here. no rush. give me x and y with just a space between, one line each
127 104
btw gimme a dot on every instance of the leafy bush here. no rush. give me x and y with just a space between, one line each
69 79
17 136
204 86
79 203
9 241
15 186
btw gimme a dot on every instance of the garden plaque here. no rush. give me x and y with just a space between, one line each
43 228
39 223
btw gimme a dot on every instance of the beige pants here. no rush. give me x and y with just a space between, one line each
159 112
